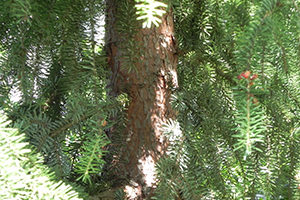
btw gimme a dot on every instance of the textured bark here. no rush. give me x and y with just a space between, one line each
149 88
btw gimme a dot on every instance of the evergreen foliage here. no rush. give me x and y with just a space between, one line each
49 53
249 115
240 140
23 176
237 133
148 11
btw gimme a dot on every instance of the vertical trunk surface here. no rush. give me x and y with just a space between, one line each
149 87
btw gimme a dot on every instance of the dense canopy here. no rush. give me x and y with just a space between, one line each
200 96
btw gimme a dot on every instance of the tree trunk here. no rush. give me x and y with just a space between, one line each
148 79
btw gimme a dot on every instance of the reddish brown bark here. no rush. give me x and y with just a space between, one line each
149 88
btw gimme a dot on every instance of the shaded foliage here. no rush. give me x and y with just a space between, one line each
235 138
240 140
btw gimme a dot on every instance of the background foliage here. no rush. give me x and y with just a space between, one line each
241 139
233 140
50 56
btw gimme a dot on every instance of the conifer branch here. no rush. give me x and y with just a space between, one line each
68 125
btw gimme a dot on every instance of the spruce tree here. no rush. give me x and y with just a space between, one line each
108 116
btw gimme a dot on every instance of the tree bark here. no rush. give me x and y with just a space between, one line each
149 86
